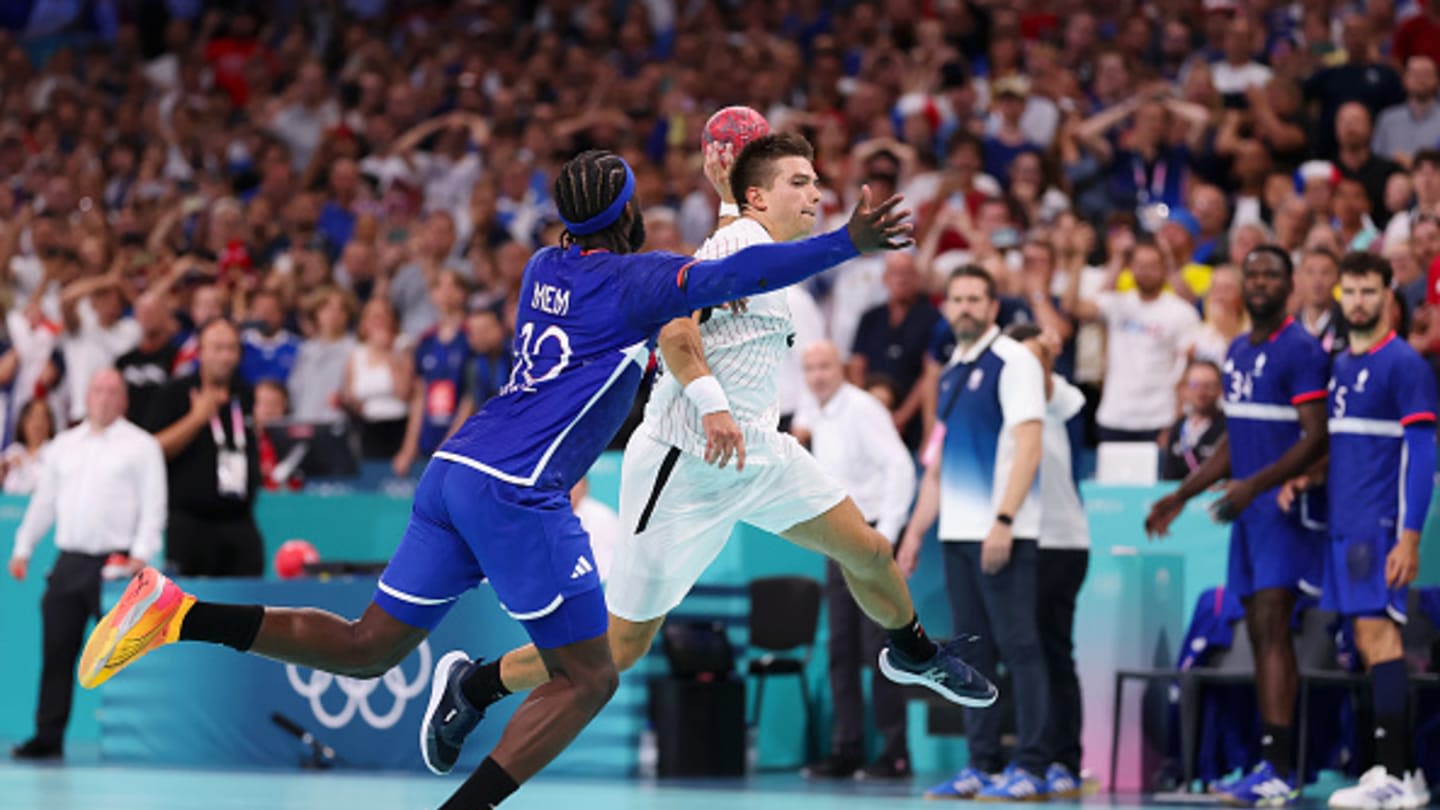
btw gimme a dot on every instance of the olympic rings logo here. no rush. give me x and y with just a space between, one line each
357 693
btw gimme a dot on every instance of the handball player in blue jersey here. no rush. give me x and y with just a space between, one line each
1275 421
1379 478
494 501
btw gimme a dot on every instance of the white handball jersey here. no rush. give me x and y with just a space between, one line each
743 351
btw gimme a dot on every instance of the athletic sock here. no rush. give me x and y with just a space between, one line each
232 625
1389 685
481 684
911 641
487 787
1277 747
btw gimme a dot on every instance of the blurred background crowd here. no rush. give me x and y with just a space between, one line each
359 183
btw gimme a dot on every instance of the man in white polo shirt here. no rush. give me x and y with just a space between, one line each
983 488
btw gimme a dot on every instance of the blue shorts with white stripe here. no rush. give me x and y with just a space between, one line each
467 527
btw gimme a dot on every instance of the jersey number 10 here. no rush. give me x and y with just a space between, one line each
524 376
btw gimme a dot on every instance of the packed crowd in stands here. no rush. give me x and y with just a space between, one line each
360 184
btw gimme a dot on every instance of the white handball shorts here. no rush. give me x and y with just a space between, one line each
677 512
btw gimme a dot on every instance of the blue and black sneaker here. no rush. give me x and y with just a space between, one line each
1262 787
944 674
966 784
450 717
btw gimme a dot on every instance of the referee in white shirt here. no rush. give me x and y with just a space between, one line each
853 437
103 488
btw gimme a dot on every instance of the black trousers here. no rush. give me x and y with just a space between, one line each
999 609
855 643
206 547
71 599
1059 577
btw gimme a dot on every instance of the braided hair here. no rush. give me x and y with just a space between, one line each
587 185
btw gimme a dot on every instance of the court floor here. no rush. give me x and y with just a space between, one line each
94 786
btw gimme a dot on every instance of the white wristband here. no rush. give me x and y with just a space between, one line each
728 210
707 395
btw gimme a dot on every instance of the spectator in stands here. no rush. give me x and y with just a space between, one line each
97 332
315 382
147 366
1418 35
1374 85
272 407
1425 176
378 378
1355 160
1009 139
1238 72
1318 311
214 470
429 256
1195 435
270 349
1225 317
440 360
1403 130
1150 330
102 485
853 436
24 458
1353 223
892 339
488 369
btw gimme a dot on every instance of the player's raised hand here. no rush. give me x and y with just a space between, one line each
723 440
880 227
719 157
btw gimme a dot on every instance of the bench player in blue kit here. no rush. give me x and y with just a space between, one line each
494 502
1380 476
1275 421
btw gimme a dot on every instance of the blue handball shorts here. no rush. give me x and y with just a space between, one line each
467 527
1272 549
1355 576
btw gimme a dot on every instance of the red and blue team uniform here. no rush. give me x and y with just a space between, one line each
494 502
1382 463
1264 384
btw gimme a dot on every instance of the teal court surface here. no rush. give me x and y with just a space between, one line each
83 783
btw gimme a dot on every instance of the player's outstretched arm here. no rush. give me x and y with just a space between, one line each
765 268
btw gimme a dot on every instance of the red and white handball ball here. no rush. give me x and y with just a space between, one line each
735 126
291 557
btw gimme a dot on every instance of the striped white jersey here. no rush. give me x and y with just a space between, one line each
743 351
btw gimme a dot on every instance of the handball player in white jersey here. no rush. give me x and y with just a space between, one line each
680 498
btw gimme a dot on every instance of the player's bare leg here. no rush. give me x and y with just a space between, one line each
582 680
154 612
867 561
1267 618
864 556
365 648
524 668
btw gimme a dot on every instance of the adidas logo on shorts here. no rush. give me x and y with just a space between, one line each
582 567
